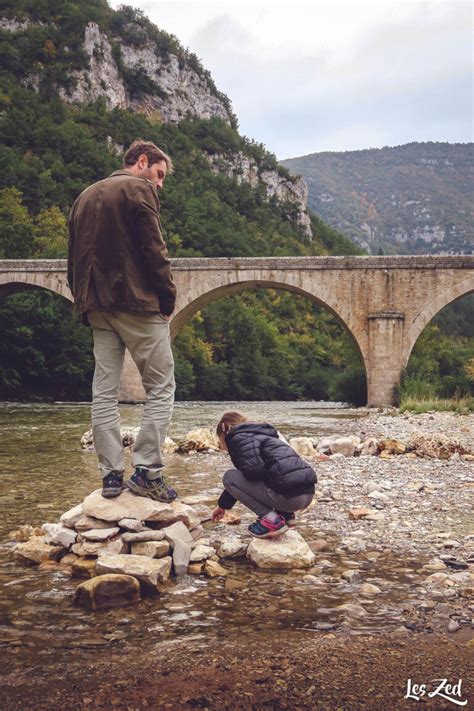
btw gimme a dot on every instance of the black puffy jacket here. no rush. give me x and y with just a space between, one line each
257 451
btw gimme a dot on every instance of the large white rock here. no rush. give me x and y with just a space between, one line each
58 534
128 505
69 518
149 571
342 445
303 446
289 550
142 536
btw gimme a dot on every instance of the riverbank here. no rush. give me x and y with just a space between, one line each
280 671
389 597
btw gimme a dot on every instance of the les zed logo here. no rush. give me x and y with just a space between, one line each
444 690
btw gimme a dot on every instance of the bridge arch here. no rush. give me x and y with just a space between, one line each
197 301
462 288
18 282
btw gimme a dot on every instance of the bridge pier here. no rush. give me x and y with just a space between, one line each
385 356
131 388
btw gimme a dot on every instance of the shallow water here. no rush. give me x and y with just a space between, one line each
45 472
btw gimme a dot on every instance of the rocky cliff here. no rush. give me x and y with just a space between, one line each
132 65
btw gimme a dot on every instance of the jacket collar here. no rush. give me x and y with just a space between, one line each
252 428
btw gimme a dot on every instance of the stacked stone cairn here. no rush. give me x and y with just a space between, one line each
130 545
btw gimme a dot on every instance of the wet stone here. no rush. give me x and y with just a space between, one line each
106 591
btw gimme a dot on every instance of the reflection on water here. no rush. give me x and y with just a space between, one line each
45 472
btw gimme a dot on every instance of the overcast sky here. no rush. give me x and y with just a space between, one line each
308 77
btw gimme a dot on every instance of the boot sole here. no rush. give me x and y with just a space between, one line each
140 491
271 534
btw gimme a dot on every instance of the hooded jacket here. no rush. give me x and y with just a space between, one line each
257 451
117 258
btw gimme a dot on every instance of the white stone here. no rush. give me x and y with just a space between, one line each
342 445
177 532
141 536
368 447
58 534
289 550
369 589
113 547
201 552
100 534
202 438
70 517
149 571
132 524
378 496
181 557
370 486
303 446
90 523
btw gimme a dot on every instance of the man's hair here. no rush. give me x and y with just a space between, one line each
229 420
147 148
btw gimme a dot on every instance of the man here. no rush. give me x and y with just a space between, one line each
120 276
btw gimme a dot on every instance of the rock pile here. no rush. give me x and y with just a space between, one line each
133 541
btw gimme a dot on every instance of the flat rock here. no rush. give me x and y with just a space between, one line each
132 524
58 534
140 536
128 505
105 591
36 550
153 549
70 517
100 534
90 523
149 571
369 589
113 547
289 550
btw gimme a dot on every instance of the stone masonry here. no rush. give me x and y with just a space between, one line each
384 302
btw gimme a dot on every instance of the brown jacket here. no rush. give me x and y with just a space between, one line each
117 259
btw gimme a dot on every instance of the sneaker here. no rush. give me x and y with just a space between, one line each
156 489
269 526
112 485
289 517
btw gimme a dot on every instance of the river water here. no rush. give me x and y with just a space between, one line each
45 472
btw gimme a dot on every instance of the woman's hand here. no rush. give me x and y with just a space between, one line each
217 514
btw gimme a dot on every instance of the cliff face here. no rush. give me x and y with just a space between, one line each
293 192
412 199
141 69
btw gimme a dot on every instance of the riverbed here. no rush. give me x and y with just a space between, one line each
424 517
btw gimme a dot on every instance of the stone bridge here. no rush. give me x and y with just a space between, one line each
383 302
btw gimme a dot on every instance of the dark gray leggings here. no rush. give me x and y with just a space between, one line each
259 498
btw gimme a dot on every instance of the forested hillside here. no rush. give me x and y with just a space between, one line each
412 199
80 82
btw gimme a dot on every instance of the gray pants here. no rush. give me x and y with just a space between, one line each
259 498
147 337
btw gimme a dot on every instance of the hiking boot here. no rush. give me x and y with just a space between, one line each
290 518
156 489
112 485
269 526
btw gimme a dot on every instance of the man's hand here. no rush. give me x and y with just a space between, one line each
217 514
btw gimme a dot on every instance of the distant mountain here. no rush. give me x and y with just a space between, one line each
411 199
